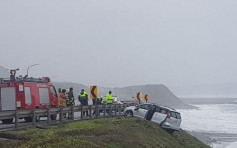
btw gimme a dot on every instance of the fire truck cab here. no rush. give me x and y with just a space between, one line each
27 93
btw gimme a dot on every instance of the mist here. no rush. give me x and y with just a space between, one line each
118 43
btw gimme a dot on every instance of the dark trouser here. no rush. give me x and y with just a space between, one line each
84 103
85 112
108 110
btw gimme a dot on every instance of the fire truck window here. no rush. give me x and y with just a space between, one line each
44 96
8 98
28 96
53 90
21 88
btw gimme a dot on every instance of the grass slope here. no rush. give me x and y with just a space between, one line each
110 133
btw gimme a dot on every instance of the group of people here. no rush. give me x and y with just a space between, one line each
67 99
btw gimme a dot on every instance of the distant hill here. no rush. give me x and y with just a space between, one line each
4 73
159 94
66 85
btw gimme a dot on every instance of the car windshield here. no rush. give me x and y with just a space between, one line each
173 114
178 115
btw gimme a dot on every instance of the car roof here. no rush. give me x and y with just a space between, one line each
163 106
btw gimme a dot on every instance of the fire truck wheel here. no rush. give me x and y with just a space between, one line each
53 117
7 121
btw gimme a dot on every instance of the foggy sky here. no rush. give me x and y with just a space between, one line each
120 43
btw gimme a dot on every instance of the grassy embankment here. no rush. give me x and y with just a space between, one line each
110 133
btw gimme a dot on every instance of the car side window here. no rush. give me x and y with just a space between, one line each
153 108
157 109
163 111
145 106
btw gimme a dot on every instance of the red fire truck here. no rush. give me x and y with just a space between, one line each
27 93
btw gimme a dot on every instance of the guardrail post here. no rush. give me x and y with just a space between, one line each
97 112
33 117
110 110
61 115
90 111
120 109
72 113
16 118
81 111
48 116
104 110
115 113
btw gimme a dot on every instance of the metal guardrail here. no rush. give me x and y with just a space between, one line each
94 111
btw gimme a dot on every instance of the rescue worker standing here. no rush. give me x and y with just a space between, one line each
62 101
62 98
109 98
71 100
101 100
83 98
96 101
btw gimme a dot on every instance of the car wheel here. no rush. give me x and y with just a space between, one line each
128 114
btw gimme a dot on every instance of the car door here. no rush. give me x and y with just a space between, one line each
141 111
160 115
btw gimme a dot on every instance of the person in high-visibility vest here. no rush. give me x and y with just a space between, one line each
83 98
109 98
101 100
71 101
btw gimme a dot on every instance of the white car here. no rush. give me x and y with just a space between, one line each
166 117
116 101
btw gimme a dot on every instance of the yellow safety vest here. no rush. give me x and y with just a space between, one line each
109 98
83 95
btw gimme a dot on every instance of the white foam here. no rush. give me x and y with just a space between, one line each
212 118
224 145
221 145
219 118
232 145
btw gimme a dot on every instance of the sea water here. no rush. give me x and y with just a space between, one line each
219 119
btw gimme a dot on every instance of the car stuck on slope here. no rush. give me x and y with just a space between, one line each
166 117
